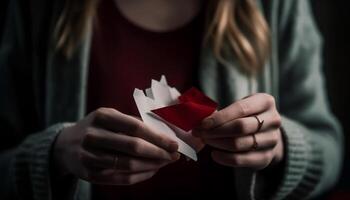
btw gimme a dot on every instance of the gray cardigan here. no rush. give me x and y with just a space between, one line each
40 92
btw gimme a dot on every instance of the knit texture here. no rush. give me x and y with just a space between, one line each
303 166
312 137
32 164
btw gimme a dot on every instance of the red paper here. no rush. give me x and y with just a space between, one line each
193 107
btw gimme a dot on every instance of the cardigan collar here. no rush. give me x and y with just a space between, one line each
66 80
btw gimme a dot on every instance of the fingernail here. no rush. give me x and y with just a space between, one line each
175 156
207 123
173 146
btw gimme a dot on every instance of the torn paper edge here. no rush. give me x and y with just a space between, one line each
145 105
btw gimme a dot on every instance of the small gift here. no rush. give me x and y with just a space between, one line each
164 109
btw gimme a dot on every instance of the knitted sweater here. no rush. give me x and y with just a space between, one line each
40 91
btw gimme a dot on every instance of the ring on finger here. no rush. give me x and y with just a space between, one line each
255 143
260 123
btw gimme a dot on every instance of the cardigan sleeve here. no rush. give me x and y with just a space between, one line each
25 151
312 136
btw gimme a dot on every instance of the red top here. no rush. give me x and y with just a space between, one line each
125 56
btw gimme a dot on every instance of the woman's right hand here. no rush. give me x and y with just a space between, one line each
109 147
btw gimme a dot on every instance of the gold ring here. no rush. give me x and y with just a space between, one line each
255 143
260 123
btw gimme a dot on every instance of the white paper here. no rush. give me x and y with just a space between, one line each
159 95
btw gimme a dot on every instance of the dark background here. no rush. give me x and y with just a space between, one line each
333 17
3 5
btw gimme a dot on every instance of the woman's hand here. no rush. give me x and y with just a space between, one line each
245 134
109 147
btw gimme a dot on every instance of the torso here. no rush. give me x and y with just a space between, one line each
124 57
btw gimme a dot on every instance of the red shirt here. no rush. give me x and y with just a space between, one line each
125 56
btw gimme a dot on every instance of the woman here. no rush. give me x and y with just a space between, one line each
62 61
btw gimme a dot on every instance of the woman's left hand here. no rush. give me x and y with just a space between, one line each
245 134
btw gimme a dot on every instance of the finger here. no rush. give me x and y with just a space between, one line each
116 121
251 105
121 163
265 140
104 139
129 164
110 177
96 159
255 160
130 179
244 126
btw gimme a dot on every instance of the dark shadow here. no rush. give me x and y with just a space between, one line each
3 6
333 18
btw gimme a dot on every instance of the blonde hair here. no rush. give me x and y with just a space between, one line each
235 27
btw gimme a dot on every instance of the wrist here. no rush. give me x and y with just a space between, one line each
58 165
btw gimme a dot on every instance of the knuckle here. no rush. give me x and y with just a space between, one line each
90 134
136 146
102 114
277 120
243 108
135 127
269 99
